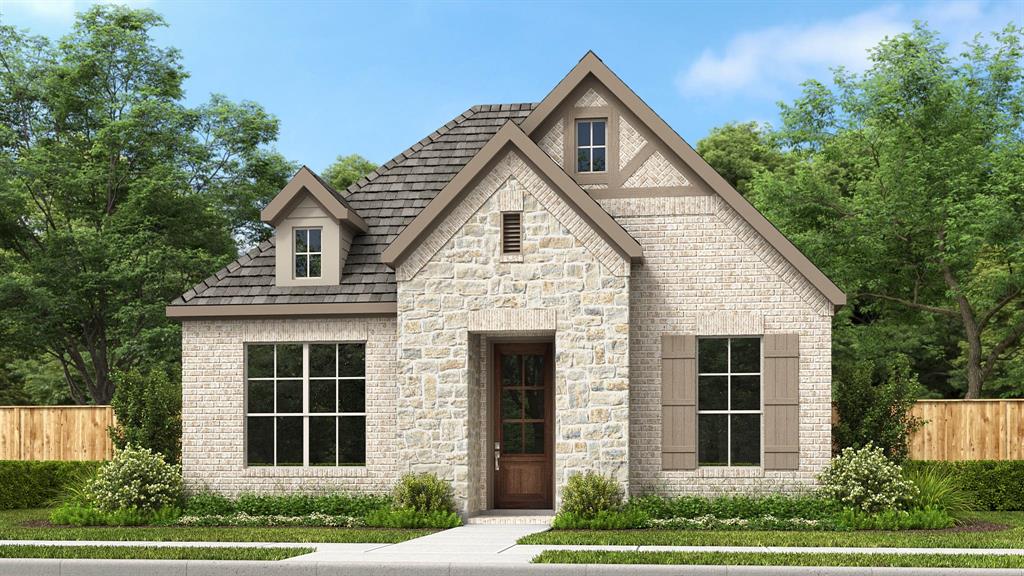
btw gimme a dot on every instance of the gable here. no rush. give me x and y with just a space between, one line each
592 74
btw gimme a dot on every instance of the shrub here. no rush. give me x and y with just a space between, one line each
710 522
994 485
938 489
866 480
423 493
287 505
80 515
916 519
874 407
586 495
136 479
410 518
209 504
603 520
806 506
148 409
34 484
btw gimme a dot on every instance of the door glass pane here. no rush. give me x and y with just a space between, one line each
534 441
289 360
712 393
352 440
746 355
321 360
321 395
260 441
746 392
289 396
713 355
260 360
511 370
261 396
512 438
712 439
351 395
322 440
511 404
599 164
352 360
746 439
534 404
289 441
534 370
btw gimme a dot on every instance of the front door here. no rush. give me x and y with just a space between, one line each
523 447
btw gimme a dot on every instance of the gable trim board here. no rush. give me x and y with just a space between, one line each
305 180
591 65
289 310
511 135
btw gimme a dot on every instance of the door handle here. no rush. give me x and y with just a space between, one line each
497 456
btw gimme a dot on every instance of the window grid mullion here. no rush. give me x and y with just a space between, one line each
305 404
275 405
728 401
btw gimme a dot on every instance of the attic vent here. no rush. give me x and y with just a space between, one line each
511 232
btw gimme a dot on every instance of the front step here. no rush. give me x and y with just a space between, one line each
513 517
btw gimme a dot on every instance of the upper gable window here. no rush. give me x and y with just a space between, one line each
591 145
308 252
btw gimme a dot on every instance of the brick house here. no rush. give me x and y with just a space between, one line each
533 290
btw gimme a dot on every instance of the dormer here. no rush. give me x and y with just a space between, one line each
313 228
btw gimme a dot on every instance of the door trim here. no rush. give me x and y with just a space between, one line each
545 347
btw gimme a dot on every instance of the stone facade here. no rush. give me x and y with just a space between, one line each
707 272
456 290
213 405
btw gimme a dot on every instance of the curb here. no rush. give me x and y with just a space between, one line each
50 567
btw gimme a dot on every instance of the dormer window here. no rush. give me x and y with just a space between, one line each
591 145
308 252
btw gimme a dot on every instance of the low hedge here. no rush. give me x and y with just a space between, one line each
35 484
997 485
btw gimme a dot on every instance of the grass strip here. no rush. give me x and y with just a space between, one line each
782 559
12 528
149 552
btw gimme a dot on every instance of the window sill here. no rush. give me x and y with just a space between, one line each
511 258
305 471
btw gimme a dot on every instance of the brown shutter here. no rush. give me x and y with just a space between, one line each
678 402
781 401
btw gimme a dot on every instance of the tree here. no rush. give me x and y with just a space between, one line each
148 410
908 187
739 151
347 170
114 196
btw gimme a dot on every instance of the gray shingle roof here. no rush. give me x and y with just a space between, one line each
388 199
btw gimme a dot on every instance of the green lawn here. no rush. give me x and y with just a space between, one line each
23 525
150 552
782 559
1012 537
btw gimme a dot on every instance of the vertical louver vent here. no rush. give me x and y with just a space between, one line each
511 232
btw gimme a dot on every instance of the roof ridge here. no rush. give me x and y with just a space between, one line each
235 264
430 138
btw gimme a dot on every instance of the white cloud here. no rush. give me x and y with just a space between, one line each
763 63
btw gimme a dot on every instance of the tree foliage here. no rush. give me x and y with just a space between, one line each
114 196
741 151
148 410
347 170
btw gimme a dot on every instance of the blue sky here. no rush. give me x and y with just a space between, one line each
373 78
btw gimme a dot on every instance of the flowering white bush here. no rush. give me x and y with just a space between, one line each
866 480
711 522
136 479
243 519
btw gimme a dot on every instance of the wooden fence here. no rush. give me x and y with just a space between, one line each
969 430
55 432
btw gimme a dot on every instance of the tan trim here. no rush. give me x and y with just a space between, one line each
611 117
264 310
591 65
659 192
511 135
643 155
305 181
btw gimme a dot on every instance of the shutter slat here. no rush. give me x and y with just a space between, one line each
781 401
679 402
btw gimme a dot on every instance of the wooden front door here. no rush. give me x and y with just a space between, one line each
523 425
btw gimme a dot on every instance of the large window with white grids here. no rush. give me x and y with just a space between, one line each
729 401
305 404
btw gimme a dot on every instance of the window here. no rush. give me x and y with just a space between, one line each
306 404
511 232
307 253
729 401
591 145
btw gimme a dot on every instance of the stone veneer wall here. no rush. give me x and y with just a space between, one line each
213 413
567 282
707 272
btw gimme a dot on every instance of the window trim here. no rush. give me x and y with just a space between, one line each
728 403
309 253
305 414
591 147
